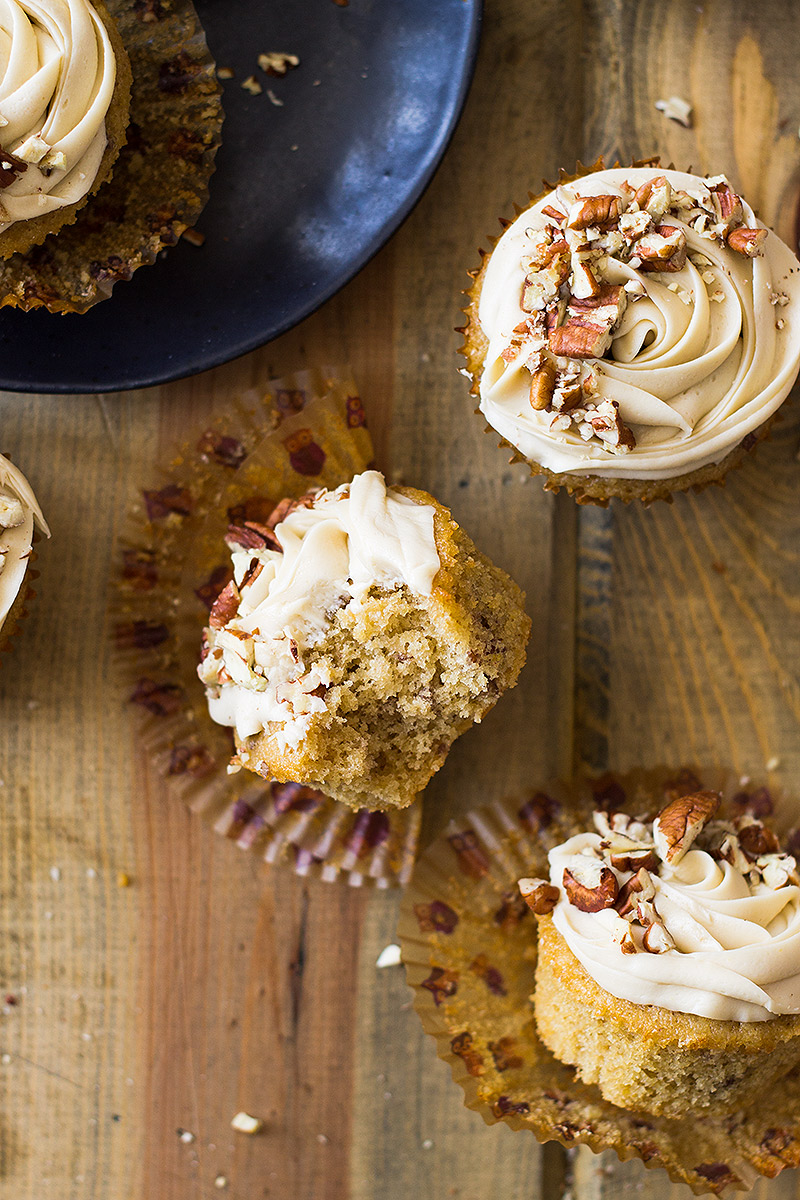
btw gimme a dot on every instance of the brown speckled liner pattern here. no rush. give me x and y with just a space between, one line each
160 182
469 945
173 564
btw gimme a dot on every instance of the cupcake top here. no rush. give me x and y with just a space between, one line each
57 74
316 555
687 912
640 323
19 511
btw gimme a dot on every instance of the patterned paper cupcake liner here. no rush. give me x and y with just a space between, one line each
469 945
159 185
175 562
584 489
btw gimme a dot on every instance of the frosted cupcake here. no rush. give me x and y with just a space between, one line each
20 515
362 633
669 958
633 332
64 102
109 123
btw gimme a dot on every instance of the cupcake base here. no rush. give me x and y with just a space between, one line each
651 1059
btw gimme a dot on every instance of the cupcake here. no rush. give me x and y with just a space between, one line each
633 332
64 103
19 516
669 958
680 998
362 633
79 208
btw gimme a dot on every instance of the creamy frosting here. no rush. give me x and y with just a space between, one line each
736 953
19 511
57 74
701 356
331 553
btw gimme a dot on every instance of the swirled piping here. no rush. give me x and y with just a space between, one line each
57 74
736 953
19 511
699 357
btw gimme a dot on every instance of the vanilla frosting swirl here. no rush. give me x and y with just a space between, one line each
18 507
701 357
332 552
737 946
57 74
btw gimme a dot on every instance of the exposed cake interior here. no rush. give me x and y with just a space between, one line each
358 640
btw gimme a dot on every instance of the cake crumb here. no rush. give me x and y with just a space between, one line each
220 1182
252 85
193 236
276 62
55 874
773 763
676 109
427 1144
123 880
224 73
273 99
322 1139
244 1123
184 1135
389 957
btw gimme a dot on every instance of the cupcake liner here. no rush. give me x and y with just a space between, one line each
160 181
585 489
469 945
175 562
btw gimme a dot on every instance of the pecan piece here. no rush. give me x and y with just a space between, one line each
600 211
654 196
680 821
590 886
638 887
225 606
656 939
609 427
727 205
755 839
539 895
662 250
543 383
749 242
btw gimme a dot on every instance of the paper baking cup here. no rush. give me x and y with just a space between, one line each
175 562
585 489
159 184
469 946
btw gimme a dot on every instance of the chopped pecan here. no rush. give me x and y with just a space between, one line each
244 537
662 250
727 205
555 214
609 426
539 895
749 242
755 839
638 887
654 196
543 382
11 167
590 886
680 821
584 282
225 606
598 211
656 939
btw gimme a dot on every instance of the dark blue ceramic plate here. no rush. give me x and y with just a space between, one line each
304 194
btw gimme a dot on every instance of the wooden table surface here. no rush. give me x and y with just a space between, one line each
213 983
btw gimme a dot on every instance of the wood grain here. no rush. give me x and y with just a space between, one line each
212 984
